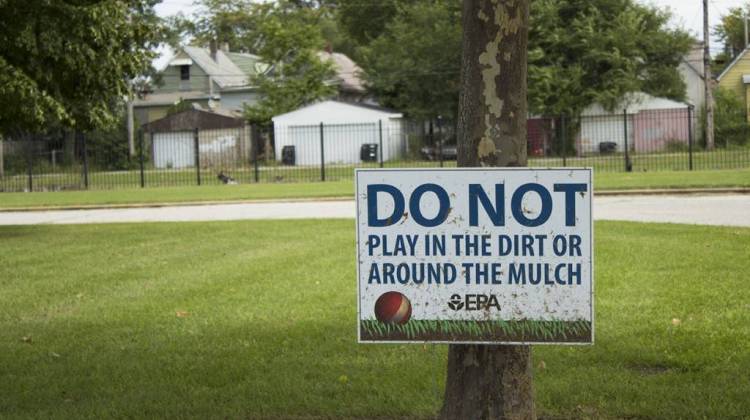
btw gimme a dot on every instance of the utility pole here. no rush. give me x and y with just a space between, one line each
131 127
708 81
130 120
491 381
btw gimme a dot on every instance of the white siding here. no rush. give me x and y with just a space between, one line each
174 150
346 128
602 129
341 142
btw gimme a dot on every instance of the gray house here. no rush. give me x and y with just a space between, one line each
216 78
212 78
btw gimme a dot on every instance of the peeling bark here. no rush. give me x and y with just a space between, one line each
484 381
493 83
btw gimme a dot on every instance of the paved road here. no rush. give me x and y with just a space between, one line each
730 210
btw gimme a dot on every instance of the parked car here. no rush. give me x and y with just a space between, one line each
433 152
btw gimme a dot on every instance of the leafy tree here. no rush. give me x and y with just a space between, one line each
179 106
730 121
69 62
364 21
290 43
584 51
580 52
228 22
284 34
414 64
731 30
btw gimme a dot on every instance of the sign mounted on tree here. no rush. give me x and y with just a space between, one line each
489 256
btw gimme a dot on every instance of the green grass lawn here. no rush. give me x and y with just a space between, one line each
602 180
258 320
180 194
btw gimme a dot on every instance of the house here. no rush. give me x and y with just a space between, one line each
691 69
652 124
350 85
221 138
736 77
212 78
217 78
337 132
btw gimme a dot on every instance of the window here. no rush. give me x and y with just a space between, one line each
184 72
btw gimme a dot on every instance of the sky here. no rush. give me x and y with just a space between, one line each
687 14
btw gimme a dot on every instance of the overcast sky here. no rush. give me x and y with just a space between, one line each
687 14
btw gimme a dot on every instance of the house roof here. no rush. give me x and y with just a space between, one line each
365 105
193 118
636 102
335 112
224 71
736 60
233 70
347 71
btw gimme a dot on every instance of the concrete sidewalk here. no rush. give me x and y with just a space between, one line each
728 210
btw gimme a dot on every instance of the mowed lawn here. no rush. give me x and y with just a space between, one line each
258 320
340 189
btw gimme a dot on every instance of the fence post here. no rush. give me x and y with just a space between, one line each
380 147
690 137
322 156
628 166
2 157
140 158
441 139
564 139
271 142
431 136
256 143
196 145
85 161
30 157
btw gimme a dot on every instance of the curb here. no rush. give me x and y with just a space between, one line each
168 204
604 193
675 191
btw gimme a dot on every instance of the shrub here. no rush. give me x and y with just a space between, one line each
730 120
674 146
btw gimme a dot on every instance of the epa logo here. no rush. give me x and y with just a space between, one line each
456 303
473 302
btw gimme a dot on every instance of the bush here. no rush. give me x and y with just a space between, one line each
674 146
730 120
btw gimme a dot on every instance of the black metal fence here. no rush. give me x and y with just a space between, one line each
642 140
648 140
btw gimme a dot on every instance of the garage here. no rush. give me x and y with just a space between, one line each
174 150
223 139
337 132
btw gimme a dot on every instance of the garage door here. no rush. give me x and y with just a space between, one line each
342 142
174 150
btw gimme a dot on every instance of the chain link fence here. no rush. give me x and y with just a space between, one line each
653 140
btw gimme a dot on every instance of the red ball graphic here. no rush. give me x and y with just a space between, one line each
393 308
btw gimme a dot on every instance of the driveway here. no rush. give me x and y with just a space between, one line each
727 210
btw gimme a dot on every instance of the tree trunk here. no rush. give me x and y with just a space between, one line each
492 105
491 381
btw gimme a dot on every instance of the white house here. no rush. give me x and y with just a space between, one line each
346 128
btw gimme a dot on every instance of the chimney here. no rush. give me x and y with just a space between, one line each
225 47
212 47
